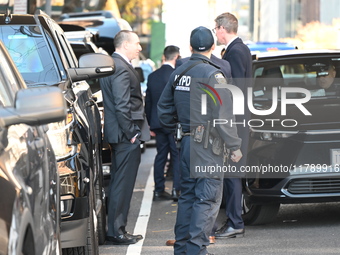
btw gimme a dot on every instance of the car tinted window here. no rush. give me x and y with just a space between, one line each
29 52
8 83
5 97
300 73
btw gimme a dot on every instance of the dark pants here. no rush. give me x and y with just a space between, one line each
125 162
165 143
232 189
198 207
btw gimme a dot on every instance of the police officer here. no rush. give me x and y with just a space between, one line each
192 100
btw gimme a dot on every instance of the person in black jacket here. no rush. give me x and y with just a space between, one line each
185 104
165 140
239 57
125 127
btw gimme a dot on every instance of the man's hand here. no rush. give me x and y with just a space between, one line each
133 139
236 155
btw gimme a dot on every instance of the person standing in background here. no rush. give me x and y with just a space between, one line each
239 57
125 128
165 140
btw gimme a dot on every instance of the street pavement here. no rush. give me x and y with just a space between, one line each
299 229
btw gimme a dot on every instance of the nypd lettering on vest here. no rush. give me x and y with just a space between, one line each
184 83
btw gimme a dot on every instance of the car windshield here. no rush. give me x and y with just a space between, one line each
29 51
319 76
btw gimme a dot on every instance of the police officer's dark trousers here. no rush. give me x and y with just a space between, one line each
198 207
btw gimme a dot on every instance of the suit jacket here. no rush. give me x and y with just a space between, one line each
239 57
221 63
124 115
155 86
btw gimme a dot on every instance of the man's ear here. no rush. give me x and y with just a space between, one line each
125 44
213 46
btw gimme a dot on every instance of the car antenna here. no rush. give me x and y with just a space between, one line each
8 15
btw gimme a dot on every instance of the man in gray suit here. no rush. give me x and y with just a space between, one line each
125 127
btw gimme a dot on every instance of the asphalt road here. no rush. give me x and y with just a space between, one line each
298 229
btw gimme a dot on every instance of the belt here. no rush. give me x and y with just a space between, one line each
188 134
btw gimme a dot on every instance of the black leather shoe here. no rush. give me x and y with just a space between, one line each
175 194
229 232
158 196
137 237
121 240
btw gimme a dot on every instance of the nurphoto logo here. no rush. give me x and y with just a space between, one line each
239 104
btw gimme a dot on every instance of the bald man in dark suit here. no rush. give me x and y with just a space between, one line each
125 127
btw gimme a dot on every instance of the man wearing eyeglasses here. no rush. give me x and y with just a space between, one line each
239 57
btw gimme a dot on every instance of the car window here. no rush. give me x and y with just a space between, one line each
319 76
8 83
28 49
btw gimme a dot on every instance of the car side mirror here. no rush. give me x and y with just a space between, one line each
91 66
35 106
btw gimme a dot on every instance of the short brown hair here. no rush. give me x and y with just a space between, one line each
228 21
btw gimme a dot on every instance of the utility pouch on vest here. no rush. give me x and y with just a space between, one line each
226 153
207 134
217 146
199 133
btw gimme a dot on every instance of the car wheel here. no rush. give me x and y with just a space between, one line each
92 234
28 245
101 217
74 251
258 214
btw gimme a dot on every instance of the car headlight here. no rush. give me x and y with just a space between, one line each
60 135
266 135
66 205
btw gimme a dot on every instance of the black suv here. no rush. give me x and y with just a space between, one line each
29 180
294 150
44 57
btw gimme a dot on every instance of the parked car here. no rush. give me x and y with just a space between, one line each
102 22
82 42
44 57
29 180
294 150
269 46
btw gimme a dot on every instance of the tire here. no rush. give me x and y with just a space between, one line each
101 217
258 214
92 234
74 251
100 197
28 245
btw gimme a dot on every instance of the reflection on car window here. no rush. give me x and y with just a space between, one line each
8 83
28 50
319 76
